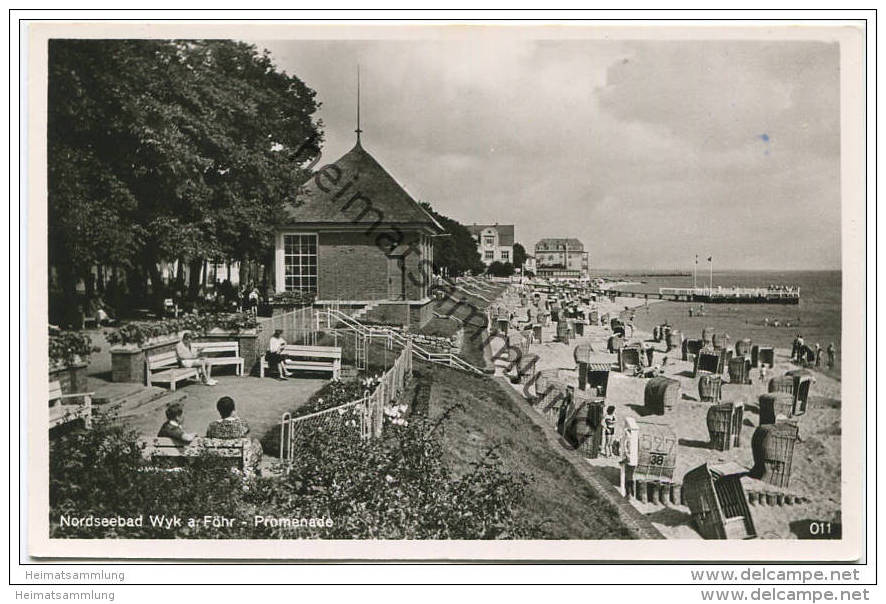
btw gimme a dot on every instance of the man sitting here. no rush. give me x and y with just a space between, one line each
188 357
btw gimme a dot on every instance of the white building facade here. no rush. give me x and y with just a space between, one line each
495 242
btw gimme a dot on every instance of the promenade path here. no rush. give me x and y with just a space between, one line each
260 401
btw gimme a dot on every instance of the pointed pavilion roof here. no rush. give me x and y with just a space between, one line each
324 197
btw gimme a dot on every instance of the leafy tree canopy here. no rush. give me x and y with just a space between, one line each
170 149
519 255
456 254
500 269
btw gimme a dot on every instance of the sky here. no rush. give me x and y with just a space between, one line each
649 152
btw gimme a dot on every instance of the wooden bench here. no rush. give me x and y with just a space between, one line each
164 368
309 358
60 413
238 451
224 350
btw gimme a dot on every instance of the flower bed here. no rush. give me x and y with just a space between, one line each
295 298
139 332
337 393
70 348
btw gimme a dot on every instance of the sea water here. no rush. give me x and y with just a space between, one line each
817 318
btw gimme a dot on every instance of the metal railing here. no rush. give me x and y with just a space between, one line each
441 358
365 413
292 427
299 326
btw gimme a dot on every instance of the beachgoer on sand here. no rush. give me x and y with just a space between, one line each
832 355
608 430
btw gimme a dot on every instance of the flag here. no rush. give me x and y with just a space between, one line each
710 258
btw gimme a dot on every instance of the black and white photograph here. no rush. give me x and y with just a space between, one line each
526 292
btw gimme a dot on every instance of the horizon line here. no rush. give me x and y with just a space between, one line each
729 269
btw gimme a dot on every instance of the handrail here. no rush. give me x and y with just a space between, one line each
472 293
440 358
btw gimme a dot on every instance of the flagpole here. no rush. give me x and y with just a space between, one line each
711 262
695 275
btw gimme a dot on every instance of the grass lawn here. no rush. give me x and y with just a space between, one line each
558 497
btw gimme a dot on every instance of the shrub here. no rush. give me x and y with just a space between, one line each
293 298
396 487
500 269
65 347
138 332
100 473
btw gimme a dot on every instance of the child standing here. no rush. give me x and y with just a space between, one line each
608 430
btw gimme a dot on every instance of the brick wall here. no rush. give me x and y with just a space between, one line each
351 267
418 276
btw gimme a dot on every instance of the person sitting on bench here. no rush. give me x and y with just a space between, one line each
232 426
274 355
188 357
173 428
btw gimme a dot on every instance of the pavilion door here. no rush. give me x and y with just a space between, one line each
396 278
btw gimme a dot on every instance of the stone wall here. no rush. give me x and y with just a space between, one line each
440 343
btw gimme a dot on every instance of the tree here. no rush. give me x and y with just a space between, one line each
456 254
519 255
500 269
169 150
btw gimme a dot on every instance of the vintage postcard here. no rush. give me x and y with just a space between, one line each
453 291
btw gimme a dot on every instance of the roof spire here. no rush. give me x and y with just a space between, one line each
358 130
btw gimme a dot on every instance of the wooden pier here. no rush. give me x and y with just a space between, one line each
717 295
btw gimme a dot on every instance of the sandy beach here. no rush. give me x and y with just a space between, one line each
816 464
